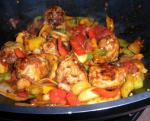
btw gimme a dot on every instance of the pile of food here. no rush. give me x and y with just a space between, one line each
61 60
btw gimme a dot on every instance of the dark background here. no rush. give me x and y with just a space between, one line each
131 17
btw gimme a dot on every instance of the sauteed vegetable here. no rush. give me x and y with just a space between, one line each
60 60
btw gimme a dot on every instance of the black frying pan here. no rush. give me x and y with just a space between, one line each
131 21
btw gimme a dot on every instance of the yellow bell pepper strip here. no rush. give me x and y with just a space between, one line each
47 88
110 23
127 86
34 43
20 37
136 46
138 81
133 82
106 93
86 21
3 67
45 30
62 51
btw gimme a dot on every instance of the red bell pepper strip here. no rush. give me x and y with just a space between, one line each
77 47
19 53
22 94
80 38
98 32
105 93
13 77
77 44
72 99
62 51
57 96
80 29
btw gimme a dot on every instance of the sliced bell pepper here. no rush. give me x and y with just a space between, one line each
98 32
105 93
77 44
57 96
109 23
72 99
19 53
22 94
77 47
62 51
13 77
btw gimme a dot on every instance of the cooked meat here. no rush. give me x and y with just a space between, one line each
69 72
106 76
50 47
111 47
33 67
8 51
55 16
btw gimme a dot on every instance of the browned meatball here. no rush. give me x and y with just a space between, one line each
55 16
69 72
33 67
110 45
106 76
8 51
50 47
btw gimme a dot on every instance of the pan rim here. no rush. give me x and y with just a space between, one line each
76 109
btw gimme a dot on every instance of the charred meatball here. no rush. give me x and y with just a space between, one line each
33 67
55 16
106 76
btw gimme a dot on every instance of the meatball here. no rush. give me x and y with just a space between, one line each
8 52
106 76
50 47
69 72
110 45
55 16
33 67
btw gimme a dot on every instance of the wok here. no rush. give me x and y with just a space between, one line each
131 21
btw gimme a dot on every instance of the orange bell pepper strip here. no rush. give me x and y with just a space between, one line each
72 99
105 93
19 53
62 51
77 48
